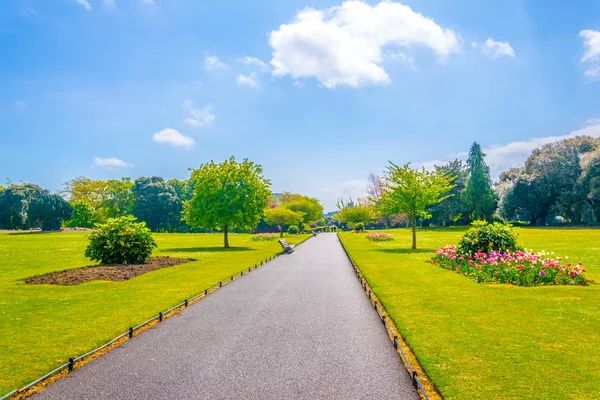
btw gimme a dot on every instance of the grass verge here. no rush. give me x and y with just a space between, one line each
478 341
41 326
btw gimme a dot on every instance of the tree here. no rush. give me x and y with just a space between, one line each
227 195
590 181
354 213
309 206
410 191
478 196
184 189
14 205
119 198
48 211
156 204
84 215
452 209
282 216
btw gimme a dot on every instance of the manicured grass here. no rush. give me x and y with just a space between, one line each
479 341
41 326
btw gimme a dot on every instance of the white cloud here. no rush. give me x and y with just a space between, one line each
110 163
253 61
343 45
495 49
20 104
148 1
198 117
504 157
85 4
212 63
591 57
173 137
247 80
109 4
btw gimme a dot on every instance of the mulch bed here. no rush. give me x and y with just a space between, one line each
117 273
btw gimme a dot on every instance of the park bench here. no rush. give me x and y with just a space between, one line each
287 248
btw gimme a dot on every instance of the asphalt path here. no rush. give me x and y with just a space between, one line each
298 328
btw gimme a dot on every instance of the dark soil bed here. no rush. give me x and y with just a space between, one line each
117 273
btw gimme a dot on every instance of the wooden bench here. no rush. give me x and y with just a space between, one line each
287 248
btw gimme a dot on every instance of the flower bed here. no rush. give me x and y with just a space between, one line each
380 237
264 237
522 268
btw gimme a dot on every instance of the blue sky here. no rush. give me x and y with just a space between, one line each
320 93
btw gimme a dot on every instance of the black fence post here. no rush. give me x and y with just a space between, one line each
415 378
221 284
396 344
130 333
160 316
186 302
71 364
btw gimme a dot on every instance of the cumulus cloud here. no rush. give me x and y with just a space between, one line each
504 157
495 49
173 137
85 4
198 117
20 104
212 63
110 163
247 80
591 57
344 45
253 61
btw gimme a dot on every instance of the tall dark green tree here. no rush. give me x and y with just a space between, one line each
156 204
14 205
451 210
478 197
48 211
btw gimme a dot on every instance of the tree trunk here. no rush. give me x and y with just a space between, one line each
281 232
414 233
225 232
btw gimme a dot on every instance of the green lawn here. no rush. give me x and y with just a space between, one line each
41 326
479 341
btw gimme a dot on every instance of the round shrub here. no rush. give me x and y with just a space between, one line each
120 240
487 238
293 229
359 227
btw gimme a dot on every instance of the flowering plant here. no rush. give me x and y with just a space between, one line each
380 237
264 237
522 268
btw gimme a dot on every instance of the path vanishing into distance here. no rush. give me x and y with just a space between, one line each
298 328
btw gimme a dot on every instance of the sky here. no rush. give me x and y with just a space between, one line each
320 93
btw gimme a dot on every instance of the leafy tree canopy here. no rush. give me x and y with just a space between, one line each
227 195
411 191
310 207
282 216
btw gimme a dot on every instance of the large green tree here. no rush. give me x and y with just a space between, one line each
48 211
84 215
310 207
478 196
227 195
452 209
353 213
14 205
156 204
590 181
282 216
411 191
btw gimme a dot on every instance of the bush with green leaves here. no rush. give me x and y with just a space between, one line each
293 230
120 240
486 238
359 227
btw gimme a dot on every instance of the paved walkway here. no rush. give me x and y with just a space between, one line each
298 328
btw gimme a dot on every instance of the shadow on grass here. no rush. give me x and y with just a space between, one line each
32 233
206 250
406 251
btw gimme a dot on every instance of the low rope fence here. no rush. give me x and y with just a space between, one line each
380 312
70 365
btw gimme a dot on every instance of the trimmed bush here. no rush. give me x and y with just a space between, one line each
359 227
293 229
484 237
120 240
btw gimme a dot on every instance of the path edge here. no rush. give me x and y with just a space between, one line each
426 388
75 363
